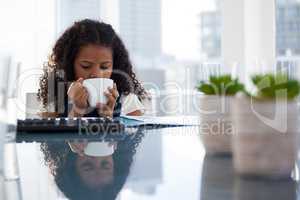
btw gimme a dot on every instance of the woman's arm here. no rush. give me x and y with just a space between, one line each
131 105
48 114
73 113
135 113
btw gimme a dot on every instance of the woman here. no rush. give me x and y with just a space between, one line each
90 49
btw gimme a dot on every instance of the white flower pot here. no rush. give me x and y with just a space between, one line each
265 139
215 124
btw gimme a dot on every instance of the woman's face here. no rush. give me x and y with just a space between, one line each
93 61
95 172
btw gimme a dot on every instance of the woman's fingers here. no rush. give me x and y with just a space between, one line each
114 144
84 95
78 94
80 80
104 109
111 99
114 91
77 147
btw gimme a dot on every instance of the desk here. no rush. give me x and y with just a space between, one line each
166 163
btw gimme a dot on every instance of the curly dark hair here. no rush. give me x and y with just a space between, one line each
66 48
61 161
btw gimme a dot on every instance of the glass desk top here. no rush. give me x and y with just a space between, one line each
157 164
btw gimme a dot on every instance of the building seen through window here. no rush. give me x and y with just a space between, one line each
287 30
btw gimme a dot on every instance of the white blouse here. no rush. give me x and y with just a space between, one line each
131 103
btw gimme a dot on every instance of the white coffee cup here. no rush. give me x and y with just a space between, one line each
99 149
96 88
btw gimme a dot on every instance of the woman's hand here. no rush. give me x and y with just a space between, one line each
79 96
78 147
107 109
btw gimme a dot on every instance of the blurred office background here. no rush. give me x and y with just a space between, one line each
169 38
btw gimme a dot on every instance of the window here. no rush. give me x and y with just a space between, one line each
288 27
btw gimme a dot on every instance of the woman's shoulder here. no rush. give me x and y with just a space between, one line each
130 103
128 96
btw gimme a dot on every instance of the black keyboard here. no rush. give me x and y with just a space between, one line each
85 126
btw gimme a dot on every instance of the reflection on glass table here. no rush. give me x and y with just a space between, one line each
155 164
219 181
81 176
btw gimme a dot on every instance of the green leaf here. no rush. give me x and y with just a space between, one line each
206 89
220 85
270 86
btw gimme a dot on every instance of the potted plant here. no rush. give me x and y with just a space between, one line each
266 125
216 125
